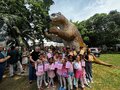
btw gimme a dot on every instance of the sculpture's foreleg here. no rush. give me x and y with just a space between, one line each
62 34
52 37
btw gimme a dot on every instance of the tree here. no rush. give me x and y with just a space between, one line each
18 15
83 31
101 29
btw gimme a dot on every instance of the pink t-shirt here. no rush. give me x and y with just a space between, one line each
69 66
77 66
49 55
40 70
56 63
59 65
46 66
64 71
59 71
52 66
51 72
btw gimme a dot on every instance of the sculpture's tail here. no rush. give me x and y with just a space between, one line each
102 63
97 61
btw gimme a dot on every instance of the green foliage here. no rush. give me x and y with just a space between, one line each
21 14
101 29
104 77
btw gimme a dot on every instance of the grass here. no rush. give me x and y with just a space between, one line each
104 78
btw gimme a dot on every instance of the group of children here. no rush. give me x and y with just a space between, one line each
67 67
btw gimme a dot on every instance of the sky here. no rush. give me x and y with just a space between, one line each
78 10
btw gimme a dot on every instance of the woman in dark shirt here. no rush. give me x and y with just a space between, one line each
90 58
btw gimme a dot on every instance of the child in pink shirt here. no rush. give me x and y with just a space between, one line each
64 73
83 70
39 72
79 72
49 54
46 64
69 66
51 73
56 56
58 65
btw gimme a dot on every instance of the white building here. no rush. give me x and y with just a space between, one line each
46 43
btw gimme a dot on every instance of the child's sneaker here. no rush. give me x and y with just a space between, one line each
92 81
87 85
46 84
60 88
53 86
64 88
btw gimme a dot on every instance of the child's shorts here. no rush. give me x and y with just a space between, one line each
78 74
71 74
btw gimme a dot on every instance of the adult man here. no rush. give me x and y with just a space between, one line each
3 58
13 61
33 57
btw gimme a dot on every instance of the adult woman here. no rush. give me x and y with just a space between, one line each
25 55
90 58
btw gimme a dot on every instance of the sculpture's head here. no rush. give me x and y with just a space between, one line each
57 18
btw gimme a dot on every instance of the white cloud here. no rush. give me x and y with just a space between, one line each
101 6
83 9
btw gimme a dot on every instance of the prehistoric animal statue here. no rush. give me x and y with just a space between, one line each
63 30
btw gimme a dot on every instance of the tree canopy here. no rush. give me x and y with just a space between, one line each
24 19
101 29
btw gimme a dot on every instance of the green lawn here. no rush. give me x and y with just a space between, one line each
104 78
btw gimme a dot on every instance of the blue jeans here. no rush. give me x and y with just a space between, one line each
2 67
32 72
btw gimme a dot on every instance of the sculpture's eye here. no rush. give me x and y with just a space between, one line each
53 15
